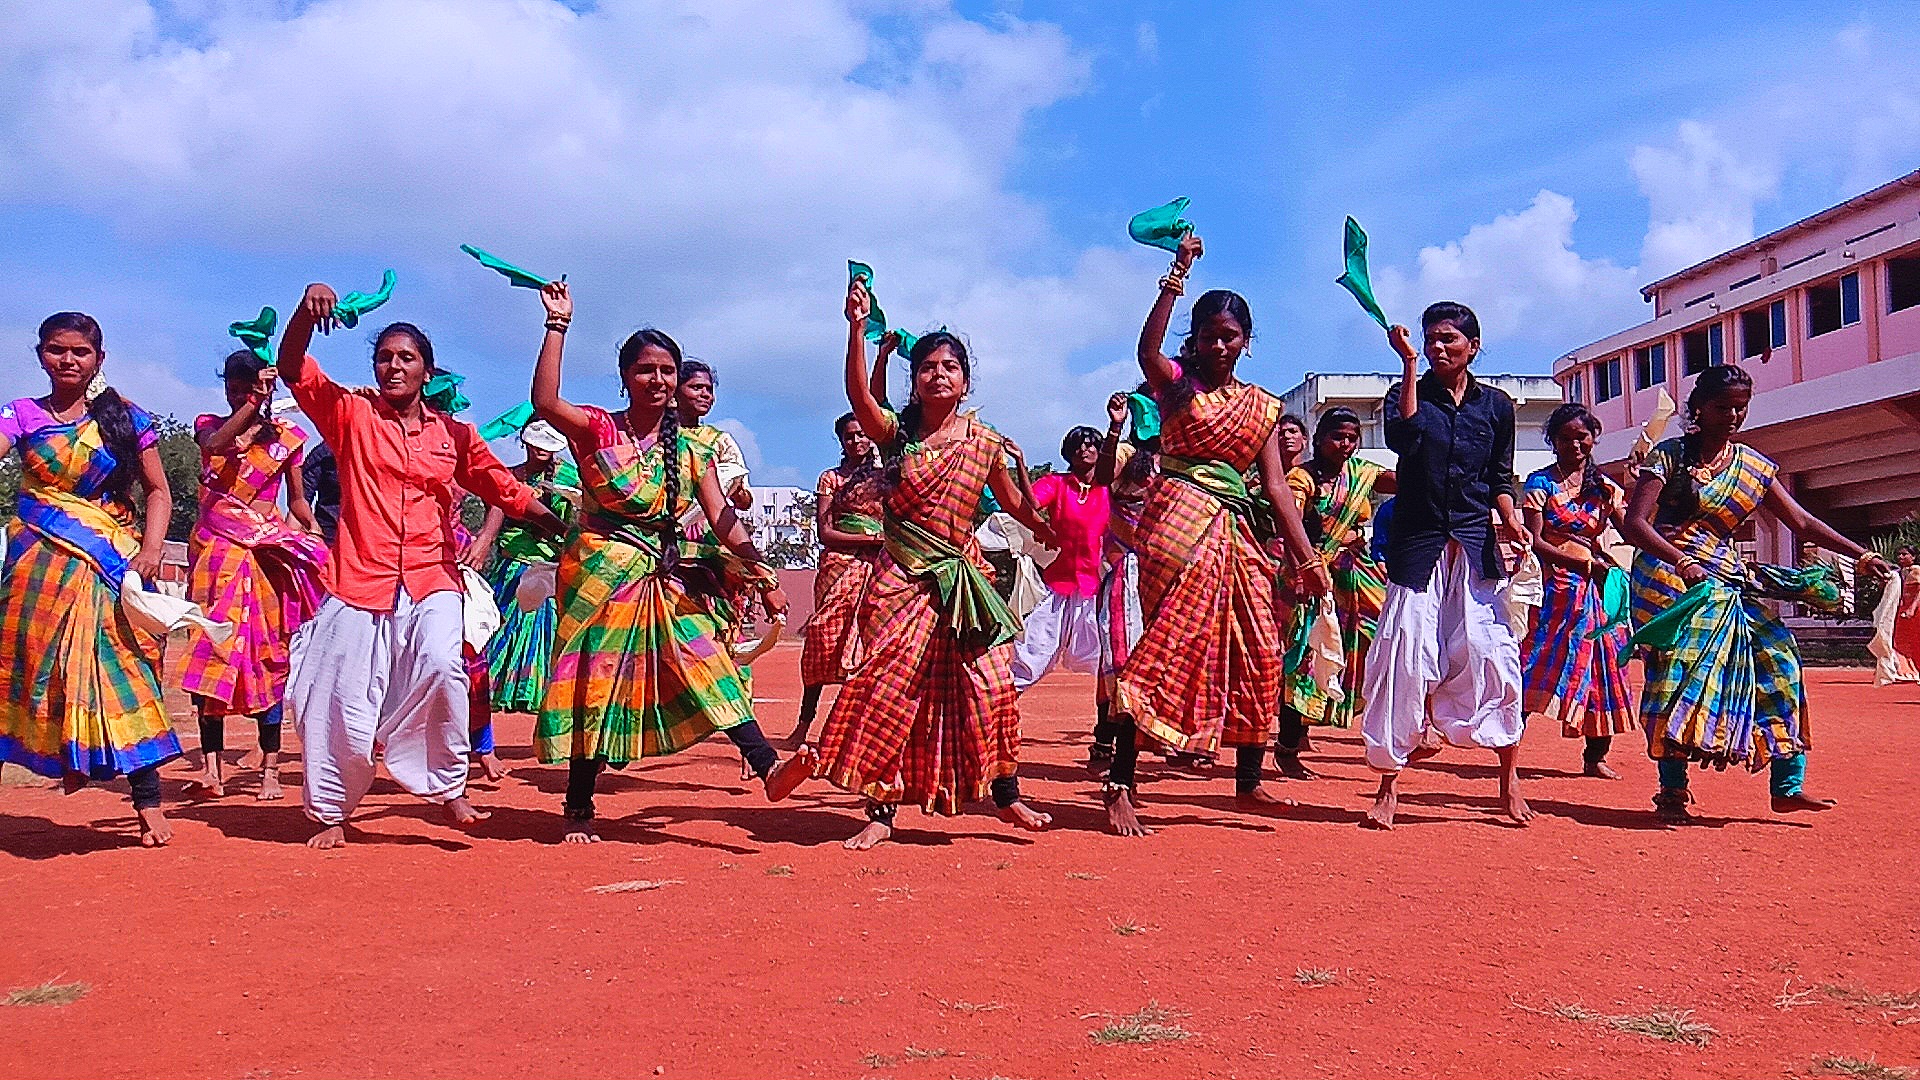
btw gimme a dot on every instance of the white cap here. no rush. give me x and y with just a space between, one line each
541 435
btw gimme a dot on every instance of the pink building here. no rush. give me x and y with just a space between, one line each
1825 315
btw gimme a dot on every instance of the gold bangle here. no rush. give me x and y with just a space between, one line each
1173 285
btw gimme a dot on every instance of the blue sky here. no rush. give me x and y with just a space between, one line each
707 168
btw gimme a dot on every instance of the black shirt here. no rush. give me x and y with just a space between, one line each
322 476
1454 460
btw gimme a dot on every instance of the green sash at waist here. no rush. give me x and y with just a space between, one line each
1229 487
858 524
968 605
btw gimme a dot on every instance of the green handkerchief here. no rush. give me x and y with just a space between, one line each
1163 226
509 422
907 342
349 308
1663 631
258 334
1356 280
876 325
443 393
1145 414
518 278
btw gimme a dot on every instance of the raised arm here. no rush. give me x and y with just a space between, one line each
1108 466
877 382
1159 370
221 439
1310 569
874 418
1401 339
313 312
571 420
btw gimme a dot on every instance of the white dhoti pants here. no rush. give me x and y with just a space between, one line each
394 683
1443 657
1061 631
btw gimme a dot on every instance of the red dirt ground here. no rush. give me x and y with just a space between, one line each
968 950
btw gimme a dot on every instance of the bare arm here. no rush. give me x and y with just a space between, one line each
1017 500
1159 370
732 532
877 382
224 438
1572 556
297 506
1639 530
1387 483
159 511
314 312
1108 466
1305 558
874 418
570 419
1788 509
1401 340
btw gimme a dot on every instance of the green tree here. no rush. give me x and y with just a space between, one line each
180 457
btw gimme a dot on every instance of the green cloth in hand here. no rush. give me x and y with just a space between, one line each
349 308
1163 226
509 422
258 334
1145 414
1356 279
907 342
876 324
443 393
518 278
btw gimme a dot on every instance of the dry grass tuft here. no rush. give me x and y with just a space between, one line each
635 886
1663 1023
49 993
1867 1069
1314 977
1153 1024
1128 928
782 870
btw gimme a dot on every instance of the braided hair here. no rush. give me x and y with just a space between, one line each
669 441
108 409
1592 487
1684 499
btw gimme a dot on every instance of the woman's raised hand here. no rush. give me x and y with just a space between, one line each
859 304
1402 341
557 300
1117 409
263 383
889 343
317 303
1189 251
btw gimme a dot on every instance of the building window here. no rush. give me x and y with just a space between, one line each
1577 387
1606 380
1903 283
1833 304
1703 348
1650 365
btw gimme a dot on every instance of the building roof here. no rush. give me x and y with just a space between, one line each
1857 203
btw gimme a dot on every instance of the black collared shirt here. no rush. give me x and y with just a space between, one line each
1454 461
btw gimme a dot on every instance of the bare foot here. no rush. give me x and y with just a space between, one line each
1260 798
332 836
1292 767
1516 807
492 767
1600 770
746 769
461 813
270 786
1424 751
1025 817
1120 814
155 829
1385 803
580 832
790 774
1796 804
208 785
869 836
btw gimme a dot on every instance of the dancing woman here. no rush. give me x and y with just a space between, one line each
1576 667
929 714
640 667
1334 489
1728 691
79 686
1206 670
1126 471
379 669
848 508
249 566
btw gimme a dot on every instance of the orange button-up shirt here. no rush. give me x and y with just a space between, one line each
399 480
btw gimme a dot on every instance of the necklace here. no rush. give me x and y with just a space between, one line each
1704 474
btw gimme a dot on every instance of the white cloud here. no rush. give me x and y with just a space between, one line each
1521 275
702 168
1700 198
1146 41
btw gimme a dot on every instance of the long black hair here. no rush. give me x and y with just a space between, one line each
910 416
1212 303
1592 487
1683 499
669 441
107 408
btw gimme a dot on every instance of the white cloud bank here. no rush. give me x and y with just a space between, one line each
700 167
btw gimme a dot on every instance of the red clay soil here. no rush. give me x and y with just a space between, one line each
966 949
